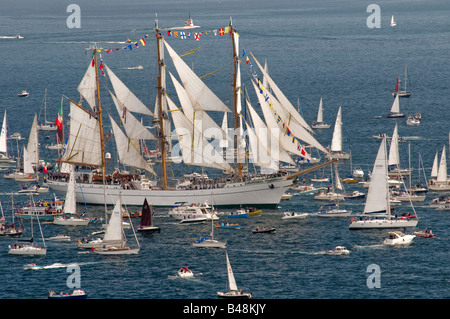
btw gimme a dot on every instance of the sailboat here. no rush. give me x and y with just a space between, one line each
333 194
114 242
4 157
146 225
336 142
319 123
30 249
441 183
9 230
69 217
377 209
393 23
395 109
233 291
404 92
394 169
85 144
209 241
46 125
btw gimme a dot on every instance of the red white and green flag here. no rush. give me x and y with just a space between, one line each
59 118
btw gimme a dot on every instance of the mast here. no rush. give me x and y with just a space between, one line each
236 96
161 92
99 112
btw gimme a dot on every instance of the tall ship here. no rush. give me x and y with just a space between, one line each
283 126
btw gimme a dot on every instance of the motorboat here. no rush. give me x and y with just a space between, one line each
263 230
330 196
252 211
240 213
184 211
355 194
185 272
286 196
398 238
32 266
60 237
76 294
227 226
338 250
24 93
90 244
358 172
194 220
335 212
426 233
294 215
412 121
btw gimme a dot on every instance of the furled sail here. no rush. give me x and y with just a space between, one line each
125 96
195 148
83 146
202 98
128 154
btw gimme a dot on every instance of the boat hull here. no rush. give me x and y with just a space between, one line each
234 295
71 221
255 193
383 224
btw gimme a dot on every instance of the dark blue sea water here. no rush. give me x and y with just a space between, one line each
314 49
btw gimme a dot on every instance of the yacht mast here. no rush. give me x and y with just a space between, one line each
161 92
236 96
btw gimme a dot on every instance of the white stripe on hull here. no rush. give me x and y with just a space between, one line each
235 194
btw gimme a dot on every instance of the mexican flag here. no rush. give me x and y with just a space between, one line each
59 118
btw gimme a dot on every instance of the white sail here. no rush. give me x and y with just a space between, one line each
125 96
225 141
320 112
128 154
336 142
33 143
337 180
114 233
199 117
133 127
202 98
395 105
195 149
265 135
88 86
27 167
442 171
394 157
283 99
83 146
231 281
70 203
3 137
377 200
434 169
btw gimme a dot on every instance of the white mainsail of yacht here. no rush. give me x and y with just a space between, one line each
233 291
377 209
394 156
395 109
336 142
319 122
4 157
441 183
86 146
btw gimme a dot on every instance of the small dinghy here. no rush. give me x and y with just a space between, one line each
185 272
263 230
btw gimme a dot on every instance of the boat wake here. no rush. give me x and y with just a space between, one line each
58 265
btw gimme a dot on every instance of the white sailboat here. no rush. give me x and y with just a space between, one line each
46 125
394 169
393 23
377 209
209 241
395 109
85 145
30 249
70 216
441 183
404 92
319 123
333 194
114 241
336 142
4 157
233 291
